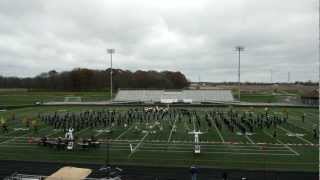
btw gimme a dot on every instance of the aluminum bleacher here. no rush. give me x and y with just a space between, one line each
171 96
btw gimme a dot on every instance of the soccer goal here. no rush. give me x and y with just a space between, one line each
72 99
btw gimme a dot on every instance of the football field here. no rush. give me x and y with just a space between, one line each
164 139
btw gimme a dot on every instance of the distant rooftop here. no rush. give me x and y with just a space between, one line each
311 94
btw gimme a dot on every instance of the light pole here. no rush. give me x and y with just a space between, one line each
239 49
271 74
111 51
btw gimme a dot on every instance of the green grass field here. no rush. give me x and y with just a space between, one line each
12 98
219 148
264 97
268 98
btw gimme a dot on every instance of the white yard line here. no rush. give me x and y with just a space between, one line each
186 126
9 140
278 147
285 145
98 134
302 127
124 132
219 133
173 151
13 138
249 139
9 133
76 133
53 133
211 148
23 135
16 146
214 149
169 138
203 143
138 145
194 124
309 119
181 150
234 153
292 150
301 138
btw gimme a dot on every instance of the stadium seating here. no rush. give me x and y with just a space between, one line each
174 96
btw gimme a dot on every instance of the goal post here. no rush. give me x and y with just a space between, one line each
72 99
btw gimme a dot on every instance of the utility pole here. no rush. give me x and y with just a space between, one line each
271 76
111 51
288 77
108 168
239 49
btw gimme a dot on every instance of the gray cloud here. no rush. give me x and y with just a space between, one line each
195 37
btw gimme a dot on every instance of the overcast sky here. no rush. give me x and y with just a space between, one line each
195 37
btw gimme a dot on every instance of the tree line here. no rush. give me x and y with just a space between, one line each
87 79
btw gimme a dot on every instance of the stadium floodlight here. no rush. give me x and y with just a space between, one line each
239 49
111 51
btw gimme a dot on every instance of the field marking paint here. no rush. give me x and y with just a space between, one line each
249 139
124 132
76 133
9 133
218 152
122 148
257 144
173 126
9 140
271 154
52 133
194 124
131 149
301 138
214 149
138 145
170 151
231 161
211 160
285 145
219 133
292 150
302 127
13 138
23 135
188 146
186 126
98 134
41 129
55 132
212 145
309 117
183 148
